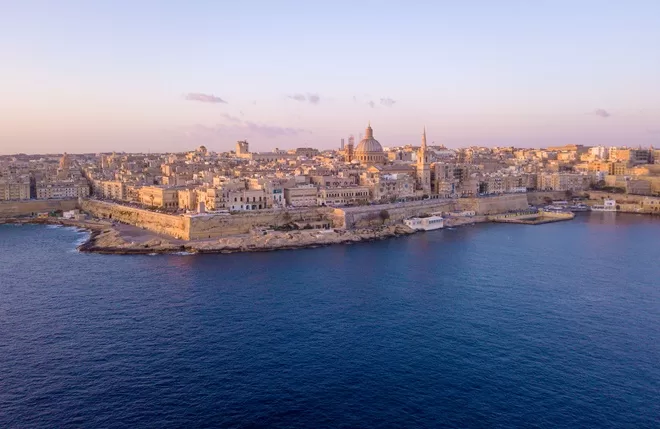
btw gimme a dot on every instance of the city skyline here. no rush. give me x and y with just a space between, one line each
153 77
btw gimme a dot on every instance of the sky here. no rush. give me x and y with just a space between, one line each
143 75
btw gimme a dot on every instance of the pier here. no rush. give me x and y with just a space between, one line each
532 217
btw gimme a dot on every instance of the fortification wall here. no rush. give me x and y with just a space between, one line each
160 223
388 214
216 226
598 196
541 197
32 207
494 205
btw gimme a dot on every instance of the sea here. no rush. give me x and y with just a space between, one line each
483 326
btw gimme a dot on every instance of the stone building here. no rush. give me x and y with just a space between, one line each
343 195
301 196
158 196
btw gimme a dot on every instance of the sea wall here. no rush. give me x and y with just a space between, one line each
627 203
388 214
193 227
217 226
495 204
160 223
541 197
32 207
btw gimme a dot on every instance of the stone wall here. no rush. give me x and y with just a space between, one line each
216 226
494 205
160 223
366 216
194 227
32 207
539 198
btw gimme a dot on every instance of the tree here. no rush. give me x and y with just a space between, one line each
384 215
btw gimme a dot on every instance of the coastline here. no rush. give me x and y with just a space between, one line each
112 239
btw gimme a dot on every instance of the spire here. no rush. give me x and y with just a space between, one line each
424 138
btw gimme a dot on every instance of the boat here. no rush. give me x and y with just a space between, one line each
579 208
607 206
429 223
555 208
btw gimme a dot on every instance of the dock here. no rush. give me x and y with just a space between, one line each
532 217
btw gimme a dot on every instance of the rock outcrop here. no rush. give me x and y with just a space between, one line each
111 241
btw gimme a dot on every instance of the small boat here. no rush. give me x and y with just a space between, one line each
429 223
579 208
555 208
607 206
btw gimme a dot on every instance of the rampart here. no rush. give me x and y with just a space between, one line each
495 204
216 226
160 223
538 198
32 207
366 216
194 227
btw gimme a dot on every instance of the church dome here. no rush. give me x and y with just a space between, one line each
369 151
369 143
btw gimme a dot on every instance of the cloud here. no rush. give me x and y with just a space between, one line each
311 98
372 104
602 113
204 98
354 99
231 118
298 97
238 125
273 130
654 132
387 102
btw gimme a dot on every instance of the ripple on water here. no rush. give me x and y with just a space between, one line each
554 325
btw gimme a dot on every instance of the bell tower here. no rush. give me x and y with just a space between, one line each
424 167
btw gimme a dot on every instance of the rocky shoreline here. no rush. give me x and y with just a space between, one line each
106 238
111 242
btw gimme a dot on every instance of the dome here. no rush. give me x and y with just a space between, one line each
369 151
369 143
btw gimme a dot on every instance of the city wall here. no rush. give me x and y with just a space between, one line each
160 223
494 205
366 216
32 207
540 197
209 226
194 227
216 226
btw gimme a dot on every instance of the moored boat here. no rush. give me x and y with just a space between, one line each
429 223
607 206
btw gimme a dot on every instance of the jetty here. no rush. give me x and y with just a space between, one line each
532 217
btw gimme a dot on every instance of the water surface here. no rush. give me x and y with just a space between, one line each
554 325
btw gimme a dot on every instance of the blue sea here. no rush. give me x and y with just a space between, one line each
485 326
